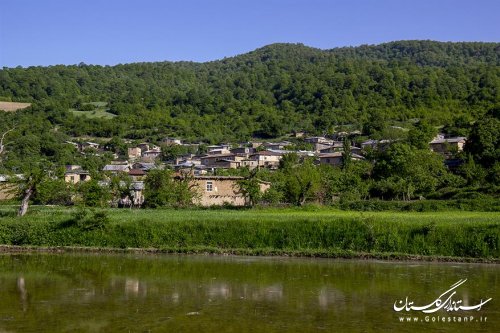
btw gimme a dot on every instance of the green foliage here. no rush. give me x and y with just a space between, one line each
458 234
473 173
484 140
270 92
266 93
94 194
346 154
404 172
161 189
171 152
250 188
158 188
301 182
52 192
421 134
86 220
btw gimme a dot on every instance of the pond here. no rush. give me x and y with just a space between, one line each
182 293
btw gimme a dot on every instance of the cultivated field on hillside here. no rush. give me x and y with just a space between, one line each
13 106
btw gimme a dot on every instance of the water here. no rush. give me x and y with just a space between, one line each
170 293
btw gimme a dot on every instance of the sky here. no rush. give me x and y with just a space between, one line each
108 32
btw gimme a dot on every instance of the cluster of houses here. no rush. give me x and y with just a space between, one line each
218 190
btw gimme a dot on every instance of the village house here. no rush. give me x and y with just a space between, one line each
319 142
134 198
74 174
220 190
248 163
145 166
7 190
222 151
336 146
134 153
86 145
369 144
212 161
299 134
255 145
218 150
277 145
190 168
137 174
267 159
375 144
172 141
318 139
227 164
116 167
333 159
448 146
151 155
336 158
189 158
137 193
144 146
243 151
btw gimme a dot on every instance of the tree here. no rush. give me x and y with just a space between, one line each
29 185
301 183
289 161
162 189
472 172
158 188
117 146
2 141
94 194
250 188
404 171
346 154
421 134
484 141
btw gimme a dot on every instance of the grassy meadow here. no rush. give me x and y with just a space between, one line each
100 111
288 231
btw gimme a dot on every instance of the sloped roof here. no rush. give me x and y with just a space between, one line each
449 140
111 167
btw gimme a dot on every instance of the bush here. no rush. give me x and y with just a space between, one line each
481 203
89 220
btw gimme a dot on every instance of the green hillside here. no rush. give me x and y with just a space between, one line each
270 91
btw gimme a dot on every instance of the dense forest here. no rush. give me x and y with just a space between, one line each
404 91
269 92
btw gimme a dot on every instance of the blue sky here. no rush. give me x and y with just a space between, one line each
107 32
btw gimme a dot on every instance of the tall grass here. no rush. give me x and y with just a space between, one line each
468 234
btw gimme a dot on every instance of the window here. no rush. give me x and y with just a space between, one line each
210 186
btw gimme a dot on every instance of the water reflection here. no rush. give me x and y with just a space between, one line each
125 293
23 292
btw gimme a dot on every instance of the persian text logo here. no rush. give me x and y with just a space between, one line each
444 301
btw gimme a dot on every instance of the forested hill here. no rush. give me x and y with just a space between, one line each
270 91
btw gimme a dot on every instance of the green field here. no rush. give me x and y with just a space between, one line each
321 232
100 111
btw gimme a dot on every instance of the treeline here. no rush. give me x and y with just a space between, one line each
270 91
